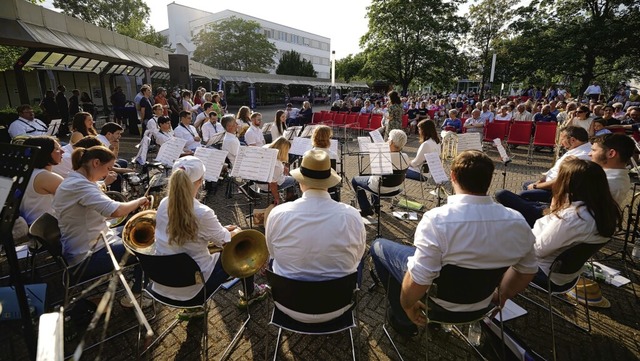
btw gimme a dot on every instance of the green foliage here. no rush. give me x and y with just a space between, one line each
351 67
410 40
292 64
9 114
235 44
127 17
9 55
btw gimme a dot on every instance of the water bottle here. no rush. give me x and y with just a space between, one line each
635 253
475 331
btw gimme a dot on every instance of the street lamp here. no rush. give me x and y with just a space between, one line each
333 76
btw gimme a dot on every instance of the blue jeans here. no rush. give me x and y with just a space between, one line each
535 195
100 264
359 185
412 174
288 182
541 280
390 261
532 211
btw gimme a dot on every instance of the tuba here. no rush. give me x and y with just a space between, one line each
245 254
449 146
139 232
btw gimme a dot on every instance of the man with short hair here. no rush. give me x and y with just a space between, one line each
27 124
470 231
315 238
230 143
292 115
152 124
486 115
545 115
74 102
254 137
476 123
188 132
521 114
593 91
613 152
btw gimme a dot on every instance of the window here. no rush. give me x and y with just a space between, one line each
283 36
305 41
324 46
315 44
315 60
295 39
267 33
324 61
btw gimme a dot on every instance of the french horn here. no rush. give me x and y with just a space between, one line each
245 254
139 233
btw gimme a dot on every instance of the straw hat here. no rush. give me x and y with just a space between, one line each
594 295
315 170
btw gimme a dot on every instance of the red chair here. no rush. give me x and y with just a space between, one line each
338 120
362 123
328 117
375 122
432 113
495 130
618 130
545 136
520 133
317 118
405 121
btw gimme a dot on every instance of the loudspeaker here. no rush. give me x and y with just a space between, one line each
179 70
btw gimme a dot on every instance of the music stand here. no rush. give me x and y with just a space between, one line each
504 158
16 162
54 126
437 173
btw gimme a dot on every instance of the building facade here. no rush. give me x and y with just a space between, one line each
186 22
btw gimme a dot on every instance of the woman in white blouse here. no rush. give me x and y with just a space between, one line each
429 143
279 125
281 178
582 211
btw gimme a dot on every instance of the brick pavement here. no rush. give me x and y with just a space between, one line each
615 334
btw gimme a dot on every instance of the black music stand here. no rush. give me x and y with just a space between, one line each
16 162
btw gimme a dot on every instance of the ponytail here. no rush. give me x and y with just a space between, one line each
183 224
82 156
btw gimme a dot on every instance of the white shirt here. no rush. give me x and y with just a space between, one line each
521 117
103 140
34 204
554 235
398 164
254 137
315 238
619 185
189 133
581 152
428 146
503 117
231 144
26 127
473 121
162 137
82 208
293 113
471 232
199 119
593 89
209 230
275 132
209 130
152 125
64 167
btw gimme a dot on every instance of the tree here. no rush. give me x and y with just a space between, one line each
235 44
410 40
10 54
292 64
351 67
127 17
579 40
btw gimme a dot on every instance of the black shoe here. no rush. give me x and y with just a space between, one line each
407 331
366 214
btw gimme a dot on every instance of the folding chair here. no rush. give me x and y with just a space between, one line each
462 286
544 136
520 133
338 296
405 121
350 121
317 118
495 130
337 121
568 262
390 180
374 123
177 270
362 123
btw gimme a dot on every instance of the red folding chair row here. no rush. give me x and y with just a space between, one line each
405 121
545 136
375 122
317 118
496 129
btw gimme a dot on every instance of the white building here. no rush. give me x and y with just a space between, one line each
186 22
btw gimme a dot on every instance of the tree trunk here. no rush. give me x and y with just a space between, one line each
587 75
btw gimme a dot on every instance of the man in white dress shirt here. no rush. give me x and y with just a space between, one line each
188 132
27 124
230 143
315 238
254 137
613 152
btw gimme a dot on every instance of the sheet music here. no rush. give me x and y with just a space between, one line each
213 160
510 311
363 144
54 126
380 159
5 189
435 168
503 153
170 151
300 145
51 328
291 132
376 136
143 149
333 145
308 130
215 139
469 141
255 163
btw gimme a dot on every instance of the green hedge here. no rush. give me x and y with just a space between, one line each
8 115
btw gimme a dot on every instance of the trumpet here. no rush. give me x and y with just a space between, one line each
449 146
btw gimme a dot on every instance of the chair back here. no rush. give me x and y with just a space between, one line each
520 133
45 229
573 258
461 285
317 118
376 121
394 180
339 119
313 297
545 135
327 117
495 130
351 119
405 121
363 120
176 270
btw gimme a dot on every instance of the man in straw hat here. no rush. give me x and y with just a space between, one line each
470 231
315 238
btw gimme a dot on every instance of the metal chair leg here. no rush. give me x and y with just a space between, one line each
275 353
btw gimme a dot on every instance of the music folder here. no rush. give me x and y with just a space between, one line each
54 126
215 139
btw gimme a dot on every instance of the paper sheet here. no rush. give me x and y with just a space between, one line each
54 126
215 139
300 145
255 163
363 144
333 145
469 141
435 168
510 311
380 159
376 136
170 151
143 149
503 153
5 189
308 130
291 132
213 160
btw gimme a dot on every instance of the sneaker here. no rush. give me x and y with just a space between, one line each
125 301
190 313
259 294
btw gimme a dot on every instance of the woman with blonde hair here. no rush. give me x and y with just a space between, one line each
281 178
243 119
321 140
82 210
82 126
184 225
